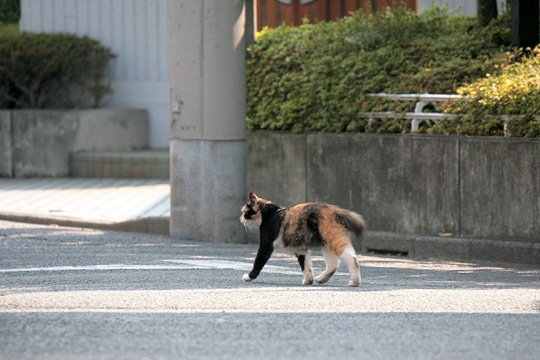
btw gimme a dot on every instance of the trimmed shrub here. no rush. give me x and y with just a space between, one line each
10 11
52 71
314 77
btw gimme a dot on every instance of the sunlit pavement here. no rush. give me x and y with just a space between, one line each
86 198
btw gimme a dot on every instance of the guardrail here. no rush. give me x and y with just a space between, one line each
417 116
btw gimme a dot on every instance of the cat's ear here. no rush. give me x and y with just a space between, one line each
253 197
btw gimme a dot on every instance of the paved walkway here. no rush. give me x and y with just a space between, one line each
87 202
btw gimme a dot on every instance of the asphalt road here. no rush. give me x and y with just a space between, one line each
69 293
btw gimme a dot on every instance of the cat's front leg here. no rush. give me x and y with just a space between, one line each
263 254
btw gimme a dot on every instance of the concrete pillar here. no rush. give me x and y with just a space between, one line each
207 126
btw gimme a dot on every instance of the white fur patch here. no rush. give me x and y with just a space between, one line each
254 223
246 278
252 228
279 240
349 257
350 251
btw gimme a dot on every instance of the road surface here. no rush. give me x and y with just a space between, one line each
68 293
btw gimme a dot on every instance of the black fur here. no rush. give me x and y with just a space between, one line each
272 217
307 229
301 261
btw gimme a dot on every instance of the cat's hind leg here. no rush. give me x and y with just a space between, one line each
304 260
348 256
332 263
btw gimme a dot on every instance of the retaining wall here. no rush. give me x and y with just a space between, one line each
38 142
421 195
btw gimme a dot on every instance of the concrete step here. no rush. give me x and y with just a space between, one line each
144 164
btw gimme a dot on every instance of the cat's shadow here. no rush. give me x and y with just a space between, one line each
301 287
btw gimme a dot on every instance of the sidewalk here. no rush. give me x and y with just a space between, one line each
141 205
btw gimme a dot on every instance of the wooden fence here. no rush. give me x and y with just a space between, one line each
273 13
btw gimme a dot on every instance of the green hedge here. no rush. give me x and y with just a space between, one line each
52 71
10 11
314 77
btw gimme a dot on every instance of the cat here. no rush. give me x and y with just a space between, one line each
299 227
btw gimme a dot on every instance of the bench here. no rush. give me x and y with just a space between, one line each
417 116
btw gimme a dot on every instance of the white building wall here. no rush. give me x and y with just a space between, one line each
136 31
464 7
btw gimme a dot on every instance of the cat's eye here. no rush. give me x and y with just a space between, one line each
250 212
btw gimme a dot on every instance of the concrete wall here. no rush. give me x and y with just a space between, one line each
464 188
38 142
136 31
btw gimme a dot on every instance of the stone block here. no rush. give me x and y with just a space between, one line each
404 184
500 188
111 129
501 251
387 242
427 247
6 165
276 167
207 190
535 254
42 141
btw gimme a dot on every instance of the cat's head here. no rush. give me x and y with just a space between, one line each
251 212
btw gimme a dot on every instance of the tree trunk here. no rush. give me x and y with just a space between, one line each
487 11
525 22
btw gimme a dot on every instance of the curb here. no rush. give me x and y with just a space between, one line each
454 248
378 242
150 225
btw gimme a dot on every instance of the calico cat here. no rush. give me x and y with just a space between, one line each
299 227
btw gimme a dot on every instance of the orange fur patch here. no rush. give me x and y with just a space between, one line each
293 215
335 235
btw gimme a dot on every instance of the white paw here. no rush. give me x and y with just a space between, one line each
354 283
246 278
308 280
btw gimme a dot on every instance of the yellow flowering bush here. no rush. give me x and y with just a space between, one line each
514 89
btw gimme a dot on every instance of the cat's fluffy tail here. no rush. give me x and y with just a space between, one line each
351 221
